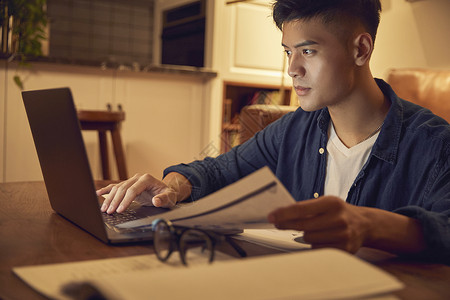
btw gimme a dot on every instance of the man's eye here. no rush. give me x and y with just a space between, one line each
288 52
308 51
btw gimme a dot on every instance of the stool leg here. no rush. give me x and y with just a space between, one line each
104 155
118 152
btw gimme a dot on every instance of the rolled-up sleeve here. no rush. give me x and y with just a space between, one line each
211 174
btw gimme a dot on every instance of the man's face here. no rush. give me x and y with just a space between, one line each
320 63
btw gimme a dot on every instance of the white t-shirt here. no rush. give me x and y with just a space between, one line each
344 164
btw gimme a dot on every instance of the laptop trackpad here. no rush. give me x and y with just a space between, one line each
145 211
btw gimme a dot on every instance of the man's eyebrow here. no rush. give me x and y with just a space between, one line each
302 44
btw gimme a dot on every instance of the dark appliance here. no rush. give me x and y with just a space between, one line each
183 35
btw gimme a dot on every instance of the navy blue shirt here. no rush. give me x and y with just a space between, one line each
407 172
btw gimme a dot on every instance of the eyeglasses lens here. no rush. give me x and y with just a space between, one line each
196 247
162 241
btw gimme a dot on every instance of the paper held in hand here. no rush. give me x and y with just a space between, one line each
243 204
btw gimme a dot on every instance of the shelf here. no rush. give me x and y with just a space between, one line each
237 95
108 65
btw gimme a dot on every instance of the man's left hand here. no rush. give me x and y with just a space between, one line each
327 221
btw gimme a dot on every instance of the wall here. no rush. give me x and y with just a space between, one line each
412 34
102 30
3 93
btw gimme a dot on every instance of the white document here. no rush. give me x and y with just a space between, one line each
50 279
315 274
243 204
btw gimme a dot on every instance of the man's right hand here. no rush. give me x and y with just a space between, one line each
166 193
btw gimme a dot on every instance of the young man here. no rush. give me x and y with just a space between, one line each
365 167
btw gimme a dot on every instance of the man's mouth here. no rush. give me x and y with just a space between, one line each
301 90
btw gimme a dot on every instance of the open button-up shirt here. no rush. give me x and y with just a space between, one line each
407 172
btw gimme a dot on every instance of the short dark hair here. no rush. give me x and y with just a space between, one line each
367 12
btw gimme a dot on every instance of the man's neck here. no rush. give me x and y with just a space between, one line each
359 116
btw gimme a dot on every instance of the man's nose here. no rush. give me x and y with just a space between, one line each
296 67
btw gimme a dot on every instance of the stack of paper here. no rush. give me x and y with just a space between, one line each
50 279
315 274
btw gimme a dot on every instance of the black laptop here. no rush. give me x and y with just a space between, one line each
65 167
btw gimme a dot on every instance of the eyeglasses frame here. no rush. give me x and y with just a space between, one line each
176 233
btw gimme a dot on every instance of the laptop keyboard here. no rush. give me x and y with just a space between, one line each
115 219
112 220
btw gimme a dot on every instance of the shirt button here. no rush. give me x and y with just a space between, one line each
321 151
316 195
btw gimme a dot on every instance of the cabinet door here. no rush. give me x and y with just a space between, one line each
257 41
165 121
247 43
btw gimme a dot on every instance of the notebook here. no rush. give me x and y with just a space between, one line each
65 167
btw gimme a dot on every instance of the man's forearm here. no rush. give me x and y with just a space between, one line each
180 184
394 232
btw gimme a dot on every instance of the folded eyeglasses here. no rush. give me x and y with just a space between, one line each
168 238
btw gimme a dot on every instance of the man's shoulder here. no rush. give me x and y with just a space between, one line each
421 121
414 113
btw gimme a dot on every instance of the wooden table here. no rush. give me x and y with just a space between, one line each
31 234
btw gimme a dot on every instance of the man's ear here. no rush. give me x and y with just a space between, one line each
363 47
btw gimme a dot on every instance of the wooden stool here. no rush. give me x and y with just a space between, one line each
103 121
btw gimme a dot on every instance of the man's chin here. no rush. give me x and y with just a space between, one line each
309 107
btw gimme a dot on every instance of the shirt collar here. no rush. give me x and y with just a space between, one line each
386 146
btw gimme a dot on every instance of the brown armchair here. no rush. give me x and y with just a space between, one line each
427 88
253 118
